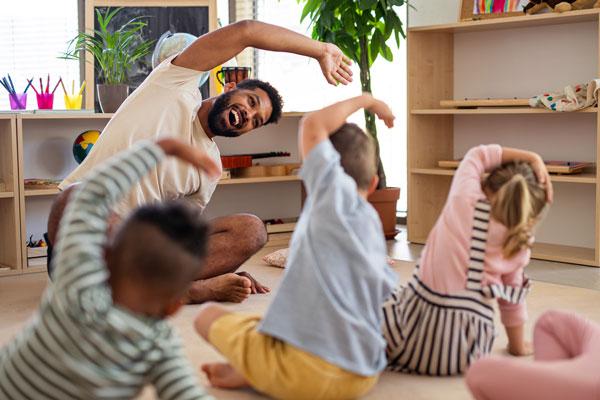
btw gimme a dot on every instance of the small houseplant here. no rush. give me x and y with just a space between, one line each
115 52
361 29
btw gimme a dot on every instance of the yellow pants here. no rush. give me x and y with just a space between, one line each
278 369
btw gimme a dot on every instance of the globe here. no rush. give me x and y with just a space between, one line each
83 144
172 43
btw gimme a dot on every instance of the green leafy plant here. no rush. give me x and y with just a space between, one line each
115 52
361 29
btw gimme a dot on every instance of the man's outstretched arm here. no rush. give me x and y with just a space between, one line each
217 47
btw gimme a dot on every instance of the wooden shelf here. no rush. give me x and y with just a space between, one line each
499 110
265 179
586 178
567 254
522 21
41 192
59 114
232 181
433 171
6 195
281 228
65 115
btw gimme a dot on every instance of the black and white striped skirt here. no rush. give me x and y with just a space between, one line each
436 334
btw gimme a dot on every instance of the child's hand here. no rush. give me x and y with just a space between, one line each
192 155
539 167
383 112
525 348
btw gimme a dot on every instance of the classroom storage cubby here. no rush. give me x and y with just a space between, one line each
505 58
39 145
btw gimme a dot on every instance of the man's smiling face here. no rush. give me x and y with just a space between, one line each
239 111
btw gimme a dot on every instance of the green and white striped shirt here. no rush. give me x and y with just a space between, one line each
80 345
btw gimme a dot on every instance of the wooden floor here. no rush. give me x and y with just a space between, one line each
20 295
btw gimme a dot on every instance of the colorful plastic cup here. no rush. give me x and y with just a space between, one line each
45 101
73 102
18 101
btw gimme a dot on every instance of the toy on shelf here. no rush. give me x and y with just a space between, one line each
37 252
559 6
41 184
245 160
83 144
571 98
554 167
2 187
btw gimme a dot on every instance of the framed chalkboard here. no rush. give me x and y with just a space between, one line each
196 17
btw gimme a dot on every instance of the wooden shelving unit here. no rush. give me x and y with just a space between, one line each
20 130
431 129
10 234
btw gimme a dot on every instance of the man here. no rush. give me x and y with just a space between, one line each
168 103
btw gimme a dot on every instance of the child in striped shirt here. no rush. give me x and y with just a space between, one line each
444 319
100 331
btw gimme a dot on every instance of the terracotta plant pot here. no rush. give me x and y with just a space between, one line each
111 97
384 201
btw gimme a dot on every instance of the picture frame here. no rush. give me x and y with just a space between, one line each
469 11
89 20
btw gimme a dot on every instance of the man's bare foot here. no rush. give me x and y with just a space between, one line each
223 375
227 287
256 287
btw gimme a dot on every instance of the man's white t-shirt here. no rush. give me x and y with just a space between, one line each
164 105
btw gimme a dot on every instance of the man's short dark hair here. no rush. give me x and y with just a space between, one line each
357 154
274 96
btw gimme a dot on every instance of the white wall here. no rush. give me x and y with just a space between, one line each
433 12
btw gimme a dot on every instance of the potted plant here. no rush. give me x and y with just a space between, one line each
361 29
115 52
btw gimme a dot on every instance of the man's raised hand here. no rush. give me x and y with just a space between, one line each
335 65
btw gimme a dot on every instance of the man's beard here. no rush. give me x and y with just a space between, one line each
215 115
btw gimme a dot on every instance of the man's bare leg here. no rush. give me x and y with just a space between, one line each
234 239
221 375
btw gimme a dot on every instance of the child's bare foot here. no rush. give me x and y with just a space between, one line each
223 375
227 287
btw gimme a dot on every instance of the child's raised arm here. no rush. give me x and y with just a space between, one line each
318 125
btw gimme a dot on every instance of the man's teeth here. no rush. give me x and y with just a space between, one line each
236 117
